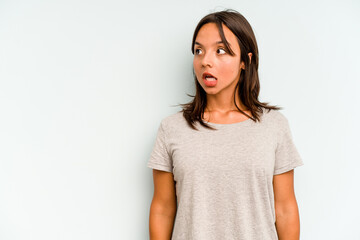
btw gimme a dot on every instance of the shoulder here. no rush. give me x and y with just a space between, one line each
276 121
174 120
275 116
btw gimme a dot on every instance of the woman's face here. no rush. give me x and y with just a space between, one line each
216 70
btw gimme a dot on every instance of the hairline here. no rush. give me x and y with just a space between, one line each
219 24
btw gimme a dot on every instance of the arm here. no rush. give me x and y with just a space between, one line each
163 206
286 209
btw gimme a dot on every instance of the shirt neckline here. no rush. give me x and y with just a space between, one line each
223 125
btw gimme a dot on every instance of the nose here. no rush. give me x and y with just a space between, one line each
207 60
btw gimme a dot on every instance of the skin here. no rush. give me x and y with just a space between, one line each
210 57
163 206
286 208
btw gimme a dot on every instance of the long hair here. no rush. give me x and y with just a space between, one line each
248 84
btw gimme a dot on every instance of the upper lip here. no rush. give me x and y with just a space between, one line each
205 74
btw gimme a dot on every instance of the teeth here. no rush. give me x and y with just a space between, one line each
210 78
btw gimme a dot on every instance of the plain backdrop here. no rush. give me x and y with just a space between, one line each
84 85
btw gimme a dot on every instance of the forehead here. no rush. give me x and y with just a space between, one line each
209 33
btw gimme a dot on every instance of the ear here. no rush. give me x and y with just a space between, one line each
242 65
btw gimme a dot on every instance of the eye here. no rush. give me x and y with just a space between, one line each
198 51
220 51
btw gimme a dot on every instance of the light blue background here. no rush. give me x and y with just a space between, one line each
84 85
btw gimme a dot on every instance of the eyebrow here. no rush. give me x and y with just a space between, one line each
218 42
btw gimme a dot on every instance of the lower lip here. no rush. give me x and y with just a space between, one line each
210 83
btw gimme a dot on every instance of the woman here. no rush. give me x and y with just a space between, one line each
223 167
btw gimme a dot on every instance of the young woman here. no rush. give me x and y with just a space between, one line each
223 166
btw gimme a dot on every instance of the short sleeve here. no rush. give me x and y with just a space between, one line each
287 156
160 158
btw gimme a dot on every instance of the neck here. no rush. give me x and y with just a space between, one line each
221 102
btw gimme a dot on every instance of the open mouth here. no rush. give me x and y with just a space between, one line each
209 77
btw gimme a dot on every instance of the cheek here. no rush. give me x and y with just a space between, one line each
230 69
194 63
196 66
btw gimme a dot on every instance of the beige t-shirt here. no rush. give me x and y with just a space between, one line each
223 177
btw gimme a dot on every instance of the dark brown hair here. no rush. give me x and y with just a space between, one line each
248 84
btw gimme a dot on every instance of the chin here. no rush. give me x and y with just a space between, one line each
211 91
